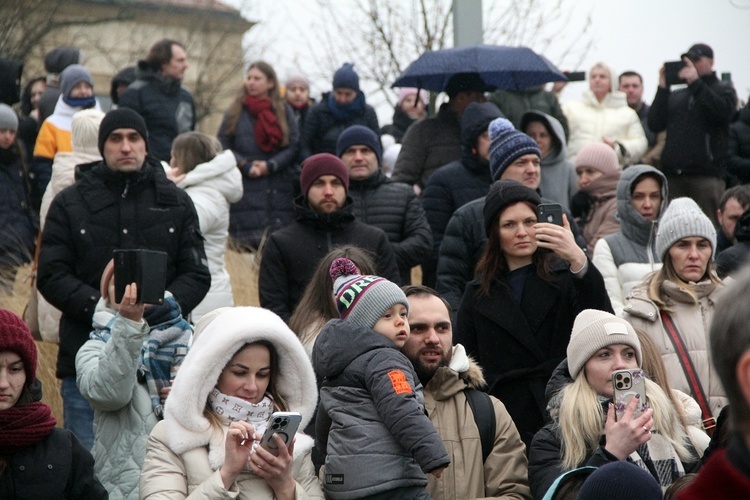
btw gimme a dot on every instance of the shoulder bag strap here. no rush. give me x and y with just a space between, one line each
691 375
484 417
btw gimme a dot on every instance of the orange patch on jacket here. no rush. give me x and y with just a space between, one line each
399 383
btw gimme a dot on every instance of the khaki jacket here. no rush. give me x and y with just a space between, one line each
504 474
692 322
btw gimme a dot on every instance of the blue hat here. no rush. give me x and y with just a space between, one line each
346 77
620 480
507 145
359 135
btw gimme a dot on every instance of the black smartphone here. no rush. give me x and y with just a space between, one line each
576 76
145 268
671 71
726 76
550 212
283 423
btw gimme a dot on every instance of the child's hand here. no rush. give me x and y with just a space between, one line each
129 308
438 473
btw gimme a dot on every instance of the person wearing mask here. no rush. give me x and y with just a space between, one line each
602 115
260 129
626 257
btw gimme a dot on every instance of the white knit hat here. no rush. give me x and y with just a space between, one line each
84 131
594 330
683 218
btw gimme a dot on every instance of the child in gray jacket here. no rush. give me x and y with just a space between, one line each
371 421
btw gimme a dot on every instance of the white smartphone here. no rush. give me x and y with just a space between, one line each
283 423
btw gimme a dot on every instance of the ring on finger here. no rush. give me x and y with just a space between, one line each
645 429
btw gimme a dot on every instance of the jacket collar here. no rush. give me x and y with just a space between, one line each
462 373
375 180
324 222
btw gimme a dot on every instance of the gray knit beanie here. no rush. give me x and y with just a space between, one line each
362 300
8 118
507 145
72 76
683 218
594 330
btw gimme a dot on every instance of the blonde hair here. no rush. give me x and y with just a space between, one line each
606 67
581 421
668 273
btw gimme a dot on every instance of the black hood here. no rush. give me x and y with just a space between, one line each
742 228
475 121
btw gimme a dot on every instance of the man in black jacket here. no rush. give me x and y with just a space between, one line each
697 123
383 203
158 96
124 201
325 220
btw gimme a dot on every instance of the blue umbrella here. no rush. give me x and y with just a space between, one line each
507 68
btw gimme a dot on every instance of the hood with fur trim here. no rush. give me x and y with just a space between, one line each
218 336
461 372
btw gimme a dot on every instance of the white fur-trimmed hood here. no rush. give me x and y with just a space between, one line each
219 335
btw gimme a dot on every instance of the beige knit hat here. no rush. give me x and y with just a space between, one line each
594 330
599 156
84 131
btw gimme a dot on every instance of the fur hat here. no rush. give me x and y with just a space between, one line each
683 218
84 131
503 193
620 480
598 156
594 330
121 118
8 118
346 77
507 145
72 76
362 300
16 337
359 135
322 164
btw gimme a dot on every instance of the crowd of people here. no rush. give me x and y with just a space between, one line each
559 246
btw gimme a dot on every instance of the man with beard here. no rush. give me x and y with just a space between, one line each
448 374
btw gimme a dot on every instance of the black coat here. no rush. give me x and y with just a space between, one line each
697 123
165 105
321 129
18 224
394 208
56 467
738 162
401 122
291 255
519 346
104 211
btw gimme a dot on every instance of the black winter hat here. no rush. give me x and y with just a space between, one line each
60 58
121 118
620 480
503 193
359 135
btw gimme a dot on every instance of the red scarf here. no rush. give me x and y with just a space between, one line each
23 426
268 134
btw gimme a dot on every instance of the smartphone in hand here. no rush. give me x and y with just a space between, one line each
145 268
283 423
671 72
626 384
550 212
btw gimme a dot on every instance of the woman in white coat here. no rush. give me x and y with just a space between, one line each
603 115
245 363
211 178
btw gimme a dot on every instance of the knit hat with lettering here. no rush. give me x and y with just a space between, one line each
16 337
362 300
683 218
507 145
594 330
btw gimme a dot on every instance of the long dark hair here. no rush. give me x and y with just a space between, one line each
278 102
493 266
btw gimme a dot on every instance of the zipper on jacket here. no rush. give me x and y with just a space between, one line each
127 186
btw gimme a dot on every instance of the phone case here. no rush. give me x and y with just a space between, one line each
626 384
285 424
147 268
671 71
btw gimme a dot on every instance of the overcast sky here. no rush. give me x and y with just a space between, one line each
627 34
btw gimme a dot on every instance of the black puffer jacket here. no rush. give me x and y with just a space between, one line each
459 182
697 123
103 211
321 129
291 255
738 162
736 256
165 105
18 224
394 208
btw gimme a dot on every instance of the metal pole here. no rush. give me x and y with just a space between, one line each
467 22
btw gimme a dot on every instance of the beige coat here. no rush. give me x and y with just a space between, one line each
692 321
504 474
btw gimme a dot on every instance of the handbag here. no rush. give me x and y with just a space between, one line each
708 422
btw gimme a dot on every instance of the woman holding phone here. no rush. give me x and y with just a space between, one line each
244 365
589 429
516 315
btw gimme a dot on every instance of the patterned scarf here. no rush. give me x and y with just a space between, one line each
23 426
231 409
268 134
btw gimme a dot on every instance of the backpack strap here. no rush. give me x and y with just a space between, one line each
484 416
